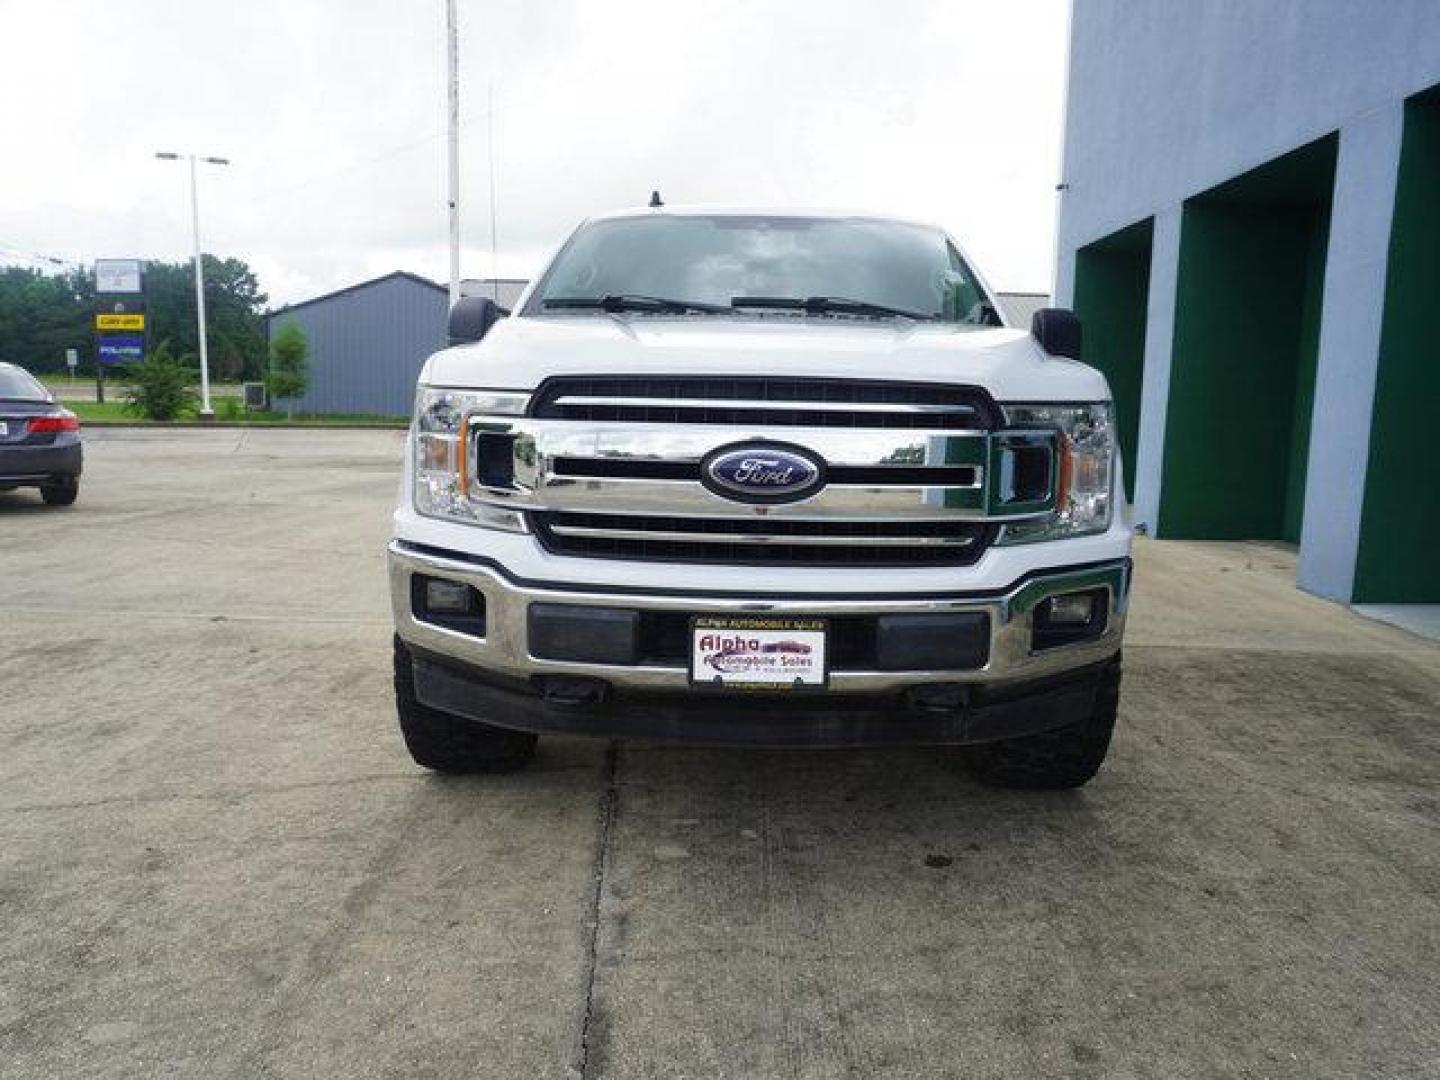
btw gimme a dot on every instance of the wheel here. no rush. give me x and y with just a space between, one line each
1064 758
60 492
453 744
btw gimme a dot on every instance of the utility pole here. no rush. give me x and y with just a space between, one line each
452 58
490 154
206 412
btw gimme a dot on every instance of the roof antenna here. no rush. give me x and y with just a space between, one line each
655 199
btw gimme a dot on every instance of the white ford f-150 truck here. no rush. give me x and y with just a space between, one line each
761 478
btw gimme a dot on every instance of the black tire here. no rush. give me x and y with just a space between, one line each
1067 757
453 744
60 492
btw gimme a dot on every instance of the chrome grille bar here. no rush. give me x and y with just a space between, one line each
834 503
654 469
765 540
690 537
760 405
776 401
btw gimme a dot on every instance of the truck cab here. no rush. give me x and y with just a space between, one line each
764 478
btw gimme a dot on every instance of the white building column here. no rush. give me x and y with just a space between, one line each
1062 289
1351 312
1155 383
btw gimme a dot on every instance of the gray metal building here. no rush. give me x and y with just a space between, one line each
1249 224
367 343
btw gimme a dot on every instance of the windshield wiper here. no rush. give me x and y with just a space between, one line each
815 305
632 302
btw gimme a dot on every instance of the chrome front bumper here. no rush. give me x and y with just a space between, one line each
503 650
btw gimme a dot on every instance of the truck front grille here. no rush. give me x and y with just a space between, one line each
768 541
773 402
628 467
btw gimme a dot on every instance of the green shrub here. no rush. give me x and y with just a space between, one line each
229 408
289 373
161 386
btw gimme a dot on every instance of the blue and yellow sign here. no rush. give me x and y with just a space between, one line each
120 321
122 349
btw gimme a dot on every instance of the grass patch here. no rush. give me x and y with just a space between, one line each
321 419
119 411
90 410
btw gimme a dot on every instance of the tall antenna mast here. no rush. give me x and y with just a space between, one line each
490 141
452 67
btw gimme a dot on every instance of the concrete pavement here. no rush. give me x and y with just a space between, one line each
216 859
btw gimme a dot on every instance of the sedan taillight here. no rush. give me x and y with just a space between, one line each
64 420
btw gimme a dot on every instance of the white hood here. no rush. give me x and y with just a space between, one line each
520 353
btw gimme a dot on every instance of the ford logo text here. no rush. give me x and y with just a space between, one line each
763 472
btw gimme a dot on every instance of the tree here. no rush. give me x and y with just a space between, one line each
234 314
43 314
160 385
289 374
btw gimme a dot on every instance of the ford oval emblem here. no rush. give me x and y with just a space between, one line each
763 472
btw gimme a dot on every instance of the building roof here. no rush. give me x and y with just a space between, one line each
357 287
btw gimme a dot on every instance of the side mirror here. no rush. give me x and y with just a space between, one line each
1058 331
472 317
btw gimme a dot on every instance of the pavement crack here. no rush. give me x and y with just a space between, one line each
587 1034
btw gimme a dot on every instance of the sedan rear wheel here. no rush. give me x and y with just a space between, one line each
62 491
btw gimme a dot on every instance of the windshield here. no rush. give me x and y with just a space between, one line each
762 265
17 385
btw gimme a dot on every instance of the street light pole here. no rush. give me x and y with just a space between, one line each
206 412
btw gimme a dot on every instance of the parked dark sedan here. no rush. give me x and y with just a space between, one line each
39 440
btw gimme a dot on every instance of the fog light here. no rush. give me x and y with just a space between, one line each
1070 617
1073 609
448 597
452 605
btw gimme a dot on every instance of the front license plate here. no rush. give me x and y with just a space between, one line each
757 653
4 429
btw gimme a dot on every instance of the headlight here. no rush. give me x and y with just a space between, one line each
1084 493
438 435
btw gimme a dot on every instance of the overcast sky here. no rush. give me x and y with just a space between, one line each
333 114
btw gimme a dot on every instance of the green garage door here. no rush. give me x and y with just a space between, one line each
1242 377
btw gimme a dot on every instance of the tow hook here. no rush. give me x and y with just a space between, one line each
939 698
572 690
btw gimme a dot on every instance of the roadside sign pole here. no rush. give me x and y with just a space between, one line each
119 317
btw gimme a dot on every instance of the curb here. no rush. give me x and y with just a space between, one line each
165 425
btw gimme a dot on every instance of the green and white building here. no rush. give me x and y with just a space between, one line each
1250 231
